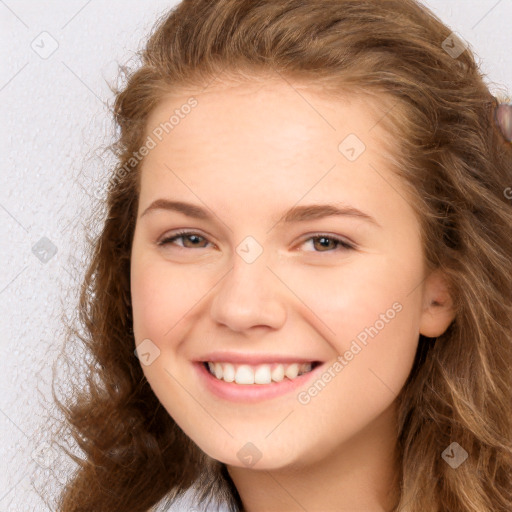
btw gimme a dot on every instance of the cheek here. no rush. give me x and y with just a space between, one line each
351 297
161 297
367 313
370 319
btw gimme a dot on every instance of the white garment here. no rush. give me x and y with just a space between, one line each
186 504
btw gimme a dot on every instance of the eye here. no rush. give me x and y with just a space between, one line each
325 241
190 236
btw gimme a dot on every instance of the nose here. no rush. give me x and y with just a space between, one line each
250 295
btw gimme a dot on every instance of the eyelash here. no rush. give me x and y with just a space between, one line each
346 246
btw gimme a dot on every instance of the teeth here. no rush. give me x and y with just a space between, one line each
244 375
278 373
261 374
292 371
228 372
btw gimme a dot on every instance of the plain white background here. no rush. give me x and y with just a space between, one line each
55 58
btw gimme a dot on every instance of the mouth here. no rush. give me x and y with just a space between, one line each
247 374
245 383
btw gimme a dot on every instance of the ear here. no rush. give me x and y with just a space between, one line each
437 309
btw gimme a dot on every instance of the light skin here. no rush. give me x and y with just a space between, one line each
246 153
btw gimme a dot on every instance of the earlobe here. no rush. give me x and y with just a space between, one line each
437 311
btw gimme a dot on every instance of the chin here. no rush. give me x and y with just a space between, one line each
256 455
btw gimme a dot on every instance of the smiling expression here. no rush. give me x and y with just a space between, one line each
236 262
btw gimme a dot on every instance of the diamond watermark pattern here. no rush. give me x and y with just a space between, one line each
351 147
454 455
147 352
45 45
454 45
249 454
44 455
249 249
44 249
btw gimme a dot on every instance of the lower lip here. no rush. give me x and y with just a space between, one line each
252 392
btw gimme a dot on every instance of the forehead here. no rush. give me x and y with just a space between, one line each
289 136
287 120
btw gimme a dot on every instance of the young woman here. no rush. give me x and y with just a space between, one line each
300 298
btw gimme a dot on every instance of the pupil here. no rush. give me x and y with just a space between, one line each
193 239
324 241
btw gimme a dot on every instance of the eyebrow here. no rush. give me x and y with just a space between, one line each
294 214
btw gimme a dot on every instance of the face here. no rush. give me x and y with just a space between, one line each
263 276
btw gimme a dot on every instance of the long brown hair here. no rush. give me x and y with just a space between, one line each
451 155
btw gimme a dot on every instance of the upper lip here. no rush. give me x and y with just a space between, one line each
254 359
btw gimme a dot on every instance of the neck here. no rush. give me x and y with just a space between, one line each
359 475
